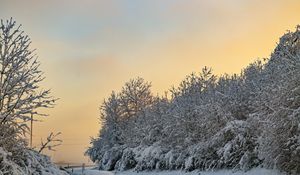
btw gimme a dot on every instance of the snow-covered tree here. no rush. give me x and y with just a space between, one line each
119 118
20 97
234 121
280 140
20 93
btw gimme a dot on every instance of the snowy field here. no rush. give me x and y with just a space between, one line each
257 171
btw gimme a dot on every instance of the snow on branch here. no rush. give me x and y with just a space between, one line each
51 142
20 76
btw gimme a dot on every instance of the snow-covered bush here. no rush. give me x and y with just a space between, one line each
32 163
148 158
170 158
7 166
36 164
238 147
127 160
110 158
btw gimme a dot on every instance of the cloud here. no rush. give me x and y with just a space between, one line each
96 65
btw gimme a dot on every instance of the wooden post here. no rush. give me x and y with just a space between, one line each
83 168
31 127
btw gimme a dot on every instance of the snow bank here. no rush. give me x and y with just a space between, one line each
37 164
33 164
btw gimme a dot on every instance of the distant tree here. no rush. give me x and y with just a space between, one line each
191 101
119 117
111 120
135 96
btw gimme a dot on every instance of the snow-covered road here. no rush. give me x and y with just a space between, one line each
256 171
97 172
91 172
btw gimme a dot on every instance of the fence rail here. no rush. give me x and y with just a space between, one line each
71 167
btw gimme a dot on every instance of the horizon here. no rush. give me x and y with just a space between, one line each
88 49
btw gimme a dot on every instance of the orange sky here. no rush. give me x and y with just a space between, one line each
89 48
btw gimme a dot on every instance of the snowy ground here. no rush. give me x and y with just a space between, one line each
256 171
78 171
224 172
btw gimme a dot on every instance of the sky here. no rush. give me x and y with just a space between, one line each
89 48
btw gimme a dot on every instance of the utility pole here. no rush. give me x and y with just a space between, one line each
31 127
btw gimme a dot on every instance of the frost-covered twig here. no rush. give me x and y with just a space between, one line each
51 142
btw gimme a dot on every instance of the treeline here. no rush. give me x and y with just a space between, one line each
235 121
